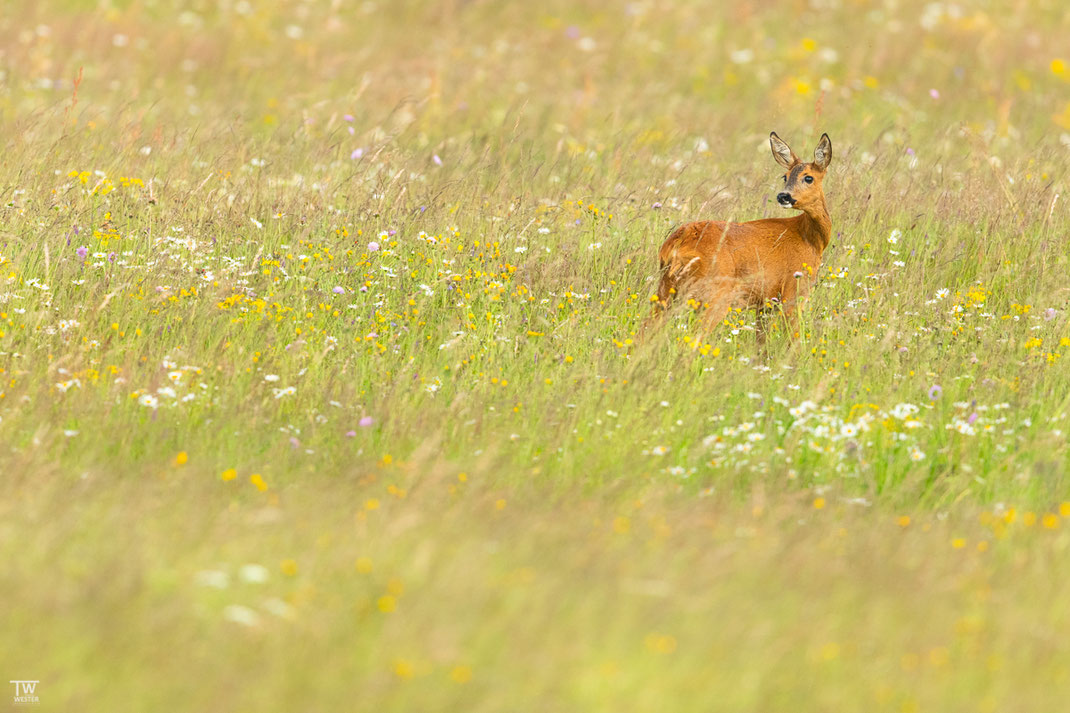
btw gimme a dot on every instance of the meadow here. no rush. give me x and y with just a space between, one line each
323 384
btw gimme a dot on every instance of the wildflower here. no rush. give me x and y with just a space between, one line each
387 603
228 474
916 454
437 160
288 391
934 93
934 392
271 377
258 480
373 246
182 458
82 252
461 674
339 290
366 421
894 236
148 400
253 573
357 153
288 567
241 615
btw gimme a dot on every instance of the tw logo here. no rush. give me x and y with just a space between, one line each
26 691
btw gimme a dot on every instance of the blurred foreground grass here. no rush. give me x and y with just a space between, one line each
321 386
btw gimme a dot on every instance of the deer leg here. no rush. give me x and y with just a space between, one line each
717 308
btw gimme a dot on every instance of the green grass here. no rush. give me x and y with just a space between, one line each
251 462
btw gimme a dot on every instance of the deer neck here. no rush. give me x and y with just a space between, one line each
815 225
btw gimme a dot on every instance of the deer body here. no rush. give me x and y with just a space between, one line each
726 265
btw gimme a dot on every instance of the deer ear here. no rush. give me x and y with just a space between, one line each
823 152
782 152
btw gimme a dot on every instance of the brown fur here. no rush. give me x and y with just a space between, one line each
753 264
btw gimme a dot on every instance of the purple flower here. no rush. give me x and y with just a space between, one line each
1049 314
111 256
934 392
347 117
972 418
366 421
934 93
294 443
351 434
373 246
910 151
657 205
357 153
437 160
572 32
82 252
339 290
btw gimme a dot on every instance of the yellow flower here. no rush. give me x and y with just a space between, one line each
958 543
1058 68
258 481
364 565
403 669
228 474
1050 521
661 643
819 503
288 567
387 604
371 504
903 520
181 458
461 674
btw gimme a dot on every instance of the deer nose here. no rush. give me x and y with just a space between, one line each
785 199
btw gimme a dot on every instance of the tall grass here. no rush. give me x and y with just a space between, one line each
323 383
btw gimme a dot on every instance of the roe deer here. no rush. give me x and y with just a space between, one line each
758 263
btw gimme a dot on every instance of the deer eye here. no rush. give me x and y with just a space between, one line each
784 178
808 179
